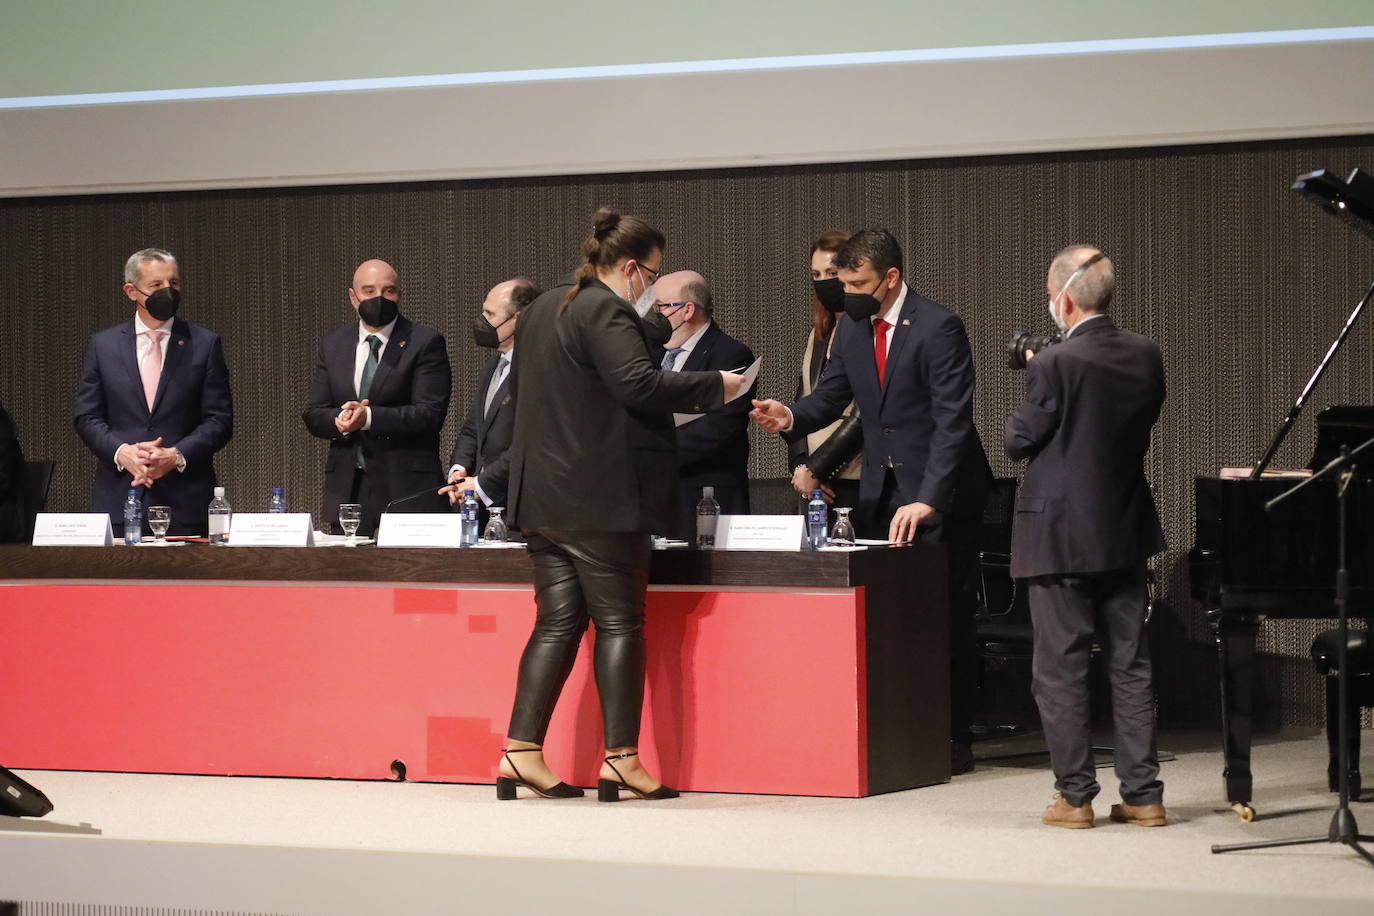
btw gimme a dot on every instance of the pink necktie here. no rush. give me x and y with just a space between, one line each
151 369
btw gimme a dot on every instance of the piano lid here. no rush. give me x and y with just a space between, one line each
1344 424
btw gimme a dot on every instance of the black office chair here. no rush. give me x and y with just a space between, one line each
1361 655
1003 630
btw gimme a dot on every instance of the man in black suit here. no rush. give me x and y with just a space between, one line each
479 461
904 361
1085 526
713 449
379 394
153 403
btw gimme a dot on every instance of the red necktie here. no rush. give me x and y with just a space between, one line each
880 346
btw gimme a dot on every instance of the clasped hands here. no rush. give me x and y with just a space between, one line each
146 461
352 416
458 485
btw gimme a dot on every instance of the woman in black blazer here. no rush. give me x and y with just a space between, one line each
591 477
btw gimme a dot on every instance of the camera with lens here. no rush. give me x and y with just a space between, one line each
1021 341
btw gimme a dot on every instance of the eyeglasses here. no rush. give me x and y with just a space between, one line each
655 273
662 306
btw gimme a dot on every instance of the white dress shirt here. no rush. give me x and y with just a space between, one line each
363 351
687 347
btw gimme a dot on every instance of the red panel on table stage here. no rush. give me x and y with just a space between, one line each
340 681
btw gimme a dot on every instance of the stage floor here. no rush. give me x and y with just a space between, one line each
974 845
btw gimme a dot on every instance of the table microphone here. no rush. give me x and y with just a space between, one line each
433 491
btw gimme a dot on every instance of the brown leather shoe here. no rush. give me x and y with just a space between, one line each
1140 815
1063 814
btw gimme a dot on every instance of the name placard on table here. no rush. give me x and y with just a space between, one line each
760 532
72 529
420 529
271 529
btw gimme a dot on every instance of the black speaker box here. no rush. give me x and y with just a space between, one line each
19 799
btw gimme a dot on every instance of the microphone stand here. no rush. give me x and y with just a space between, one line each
1311 386
1343 827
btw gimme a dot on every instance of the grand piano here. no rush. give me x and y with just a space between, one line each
1249 565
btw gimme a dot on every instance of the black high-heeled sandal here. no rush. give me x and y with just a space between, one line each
505 785
608 790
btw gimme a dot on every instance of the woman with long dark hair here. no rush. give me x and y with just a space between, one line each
591 477
828 459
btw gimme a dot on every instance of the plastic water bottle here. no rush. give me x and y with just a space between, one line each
278 502
220 513
815 521
469 514
708 513
133 519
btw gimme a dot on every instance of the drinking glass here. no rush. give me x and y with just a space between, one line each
496 527
159 519
350 517
842 535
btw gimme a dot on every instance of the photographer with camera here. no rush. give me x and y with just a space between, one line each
1085 526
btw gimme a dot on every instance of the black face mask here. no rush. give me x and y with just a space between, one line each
378 312
657 329
830 293
164 303
486 334
862 306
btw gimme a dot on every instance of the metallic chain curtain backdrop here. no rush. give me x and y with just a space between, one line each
1241 282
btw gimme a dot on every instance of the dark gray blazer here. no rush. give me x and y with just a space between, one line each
1085 505
484 441
594 448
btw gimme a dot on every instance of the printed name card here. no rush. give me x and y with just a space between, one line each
72 529
760 532
271 529
420 529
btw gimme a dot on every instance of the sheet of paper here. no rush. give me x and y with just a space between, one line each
751 374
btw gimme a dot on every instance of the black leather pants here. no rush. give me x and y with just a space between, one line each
581 576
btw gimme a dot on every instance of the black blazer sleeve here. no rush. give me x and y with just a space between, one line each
612 338
216 426
1033 423
465 447
89 410
321 407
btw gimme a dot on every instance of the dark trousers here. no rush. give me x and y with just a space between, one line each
1067 612
581 576
959 532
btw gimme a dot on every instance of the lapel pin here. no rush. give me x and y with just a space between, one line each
402 345
906 321
181 342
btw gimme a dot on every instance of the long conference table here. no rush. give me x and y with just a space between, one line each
818 673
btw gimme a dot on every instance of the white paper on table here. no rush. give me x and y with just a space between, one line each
871 542
751 375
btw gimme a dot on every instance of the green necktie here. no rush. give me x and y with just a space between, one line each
365 385
370 367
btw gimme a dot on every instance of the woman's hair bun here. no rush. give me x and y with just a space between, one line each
606 220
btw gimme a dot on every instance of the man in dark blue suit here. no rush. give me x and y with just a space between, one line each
713 449
379 394
905 362
479 462
153 403
1085 526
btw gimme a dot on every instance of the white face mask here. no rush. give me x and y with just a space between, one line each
1059 322
645 300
